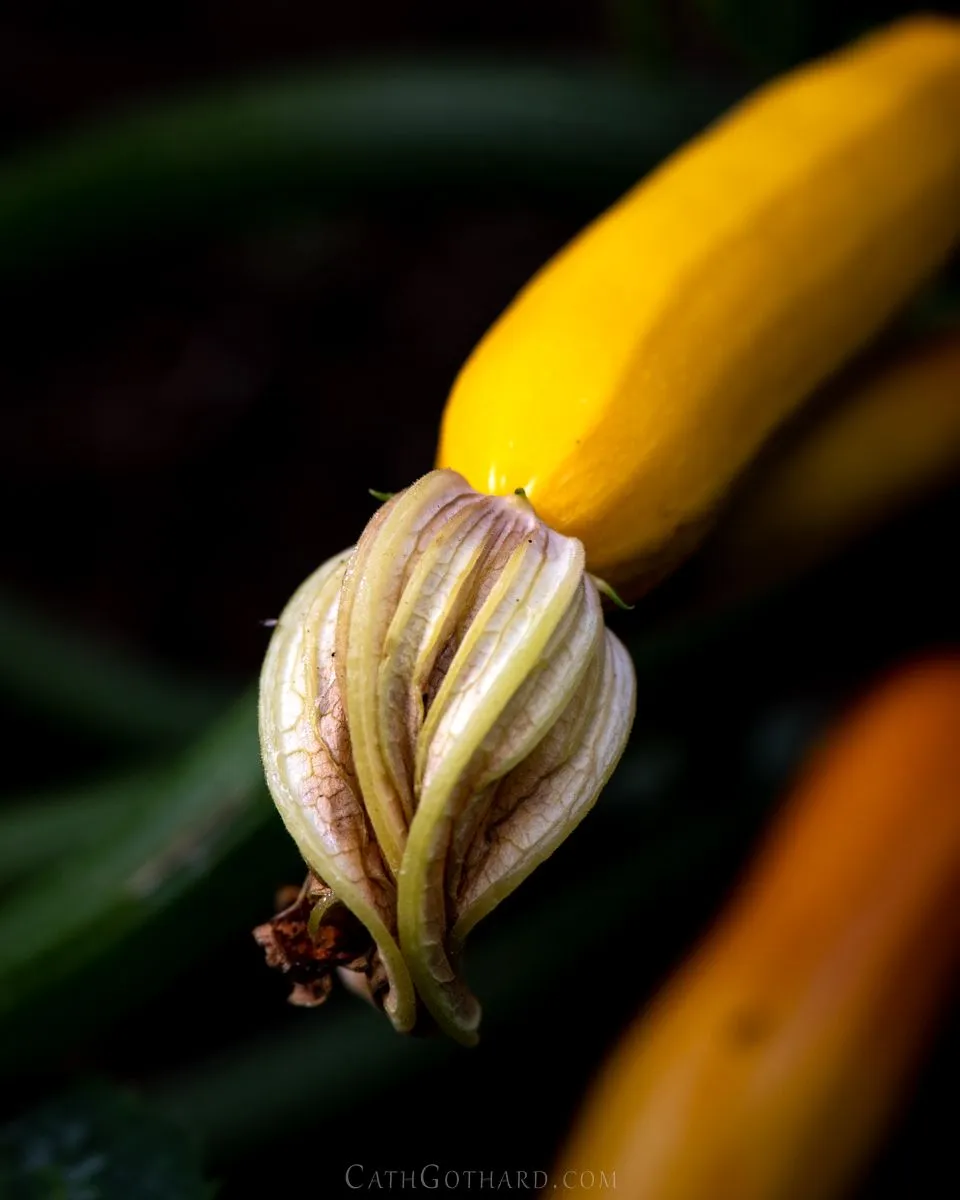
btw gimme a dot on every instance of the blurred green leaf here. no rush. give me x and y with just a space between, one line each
97 1143
37 831
62 673
107 897
238 153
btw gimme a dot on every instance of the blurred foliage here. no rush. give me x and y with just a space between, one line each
96 1143
43 828
128 892
62 674
103 903
273 149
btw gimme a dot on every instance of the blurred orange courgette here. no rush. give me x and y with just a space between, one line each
769 1065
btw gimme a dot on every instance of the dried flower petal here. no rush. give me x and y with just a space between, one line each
309 768
439 708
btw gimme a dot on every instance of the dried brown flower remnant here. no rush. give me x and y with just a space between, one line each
439 708
311 937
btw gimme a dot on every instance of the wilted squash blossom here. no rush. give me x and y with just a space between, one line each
440 706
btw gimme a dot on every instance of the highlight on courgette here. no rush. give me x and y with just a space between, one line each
441 704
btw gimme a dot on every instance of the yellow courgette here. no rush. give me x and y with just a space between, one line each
634 377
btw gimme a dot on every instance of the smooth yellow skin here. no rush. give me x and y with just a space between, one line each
632 379
887 441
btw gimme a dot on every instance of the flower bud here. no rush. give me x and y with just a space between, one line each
439 708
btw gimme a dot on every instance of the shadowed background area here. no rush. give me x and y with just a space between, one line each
245 249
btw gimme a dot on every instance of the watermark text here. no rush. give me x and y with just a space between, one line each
432 1177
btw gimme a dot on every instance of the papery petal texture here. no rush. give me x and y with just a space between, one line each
308 763
440 707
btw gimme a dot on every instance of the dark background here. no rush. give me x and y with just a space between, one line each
210 353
